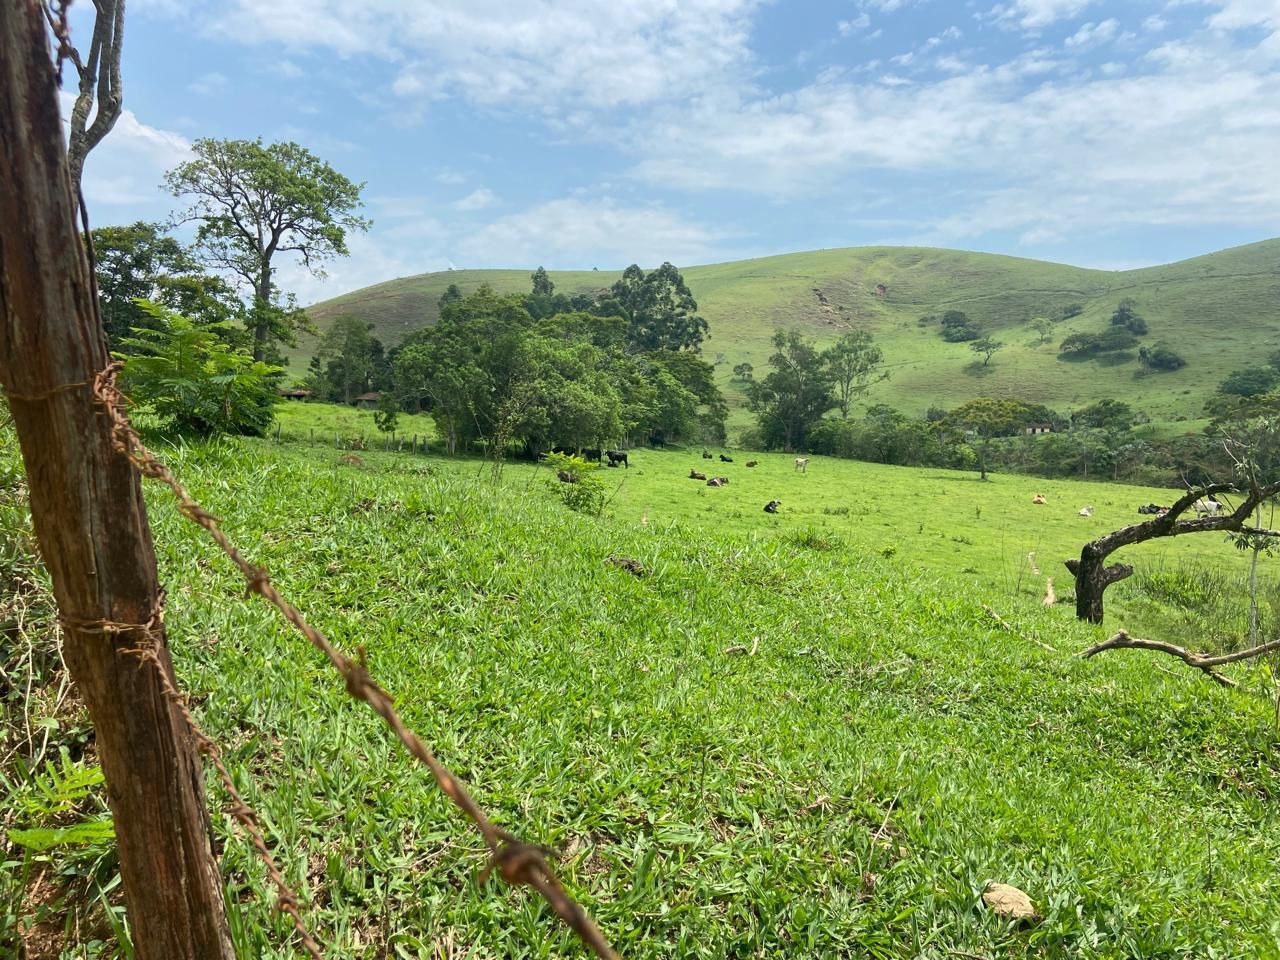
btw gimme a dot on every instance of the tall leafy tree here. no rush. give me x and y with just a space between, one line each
795 395
253 201
853 363
660 310
348 356
987 418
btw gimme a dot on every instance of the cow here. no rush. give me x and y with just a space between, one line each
591 454
718 482
753 463
1039 498
1086 512
617 457
567 477
724 459
802 463
706 455
1209 506
695 475
772 506
1152 509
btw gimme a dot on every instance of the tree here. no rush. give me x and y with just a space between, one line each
1251 382
451 295
346 357
1126 315
542 285
853 362
1106 414
958 326
987 418
99 79
1072 310
795 395
91 522
743 372
1159 357
139 262
1043 326
660 310
253 201
194 382
987 347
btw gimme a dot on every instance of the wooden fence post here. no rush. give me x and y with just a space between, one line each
86 503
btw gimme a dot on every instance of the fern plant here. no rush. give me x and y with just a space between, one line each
194 381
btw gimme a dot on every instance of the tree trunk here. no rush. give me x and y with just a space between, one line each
1093 577
262 301
86 503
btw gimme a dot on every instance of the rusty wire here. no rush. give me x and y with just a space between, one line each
147 651
518 863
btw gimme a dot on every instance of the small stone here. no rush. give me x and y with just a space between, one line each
1009 902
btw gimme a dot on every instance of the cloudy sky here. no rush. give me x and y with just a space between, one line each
593 133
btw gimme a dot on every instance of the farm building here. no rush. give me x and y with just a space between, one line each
368 401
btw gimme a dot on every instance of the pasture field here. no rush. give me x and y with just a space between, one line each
1218 311
777 738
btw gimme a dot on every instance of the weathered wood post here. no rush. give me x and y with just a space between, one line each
86 502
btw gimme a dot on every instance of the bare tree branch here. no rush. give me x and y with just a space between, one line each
1123 641
99 76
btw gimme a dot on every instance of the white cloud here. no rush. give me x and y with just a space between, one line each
1035 14
503 52
1189 138
586 232
1092 34
124 173
480 199
860 22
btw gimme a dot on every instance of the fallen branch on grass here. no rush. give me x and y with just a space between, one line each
1122 640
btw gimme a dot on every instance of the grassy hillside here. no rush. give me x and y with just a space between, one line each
780 739
1220 311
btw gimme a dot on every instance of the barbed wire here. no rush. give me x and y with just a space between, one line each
147 651
518 863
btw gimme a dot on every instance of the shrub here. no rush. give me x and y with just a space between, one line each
194 381
584 491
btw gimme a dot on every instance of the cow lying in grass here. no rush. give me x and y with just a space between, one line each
718 482
772 506
695 475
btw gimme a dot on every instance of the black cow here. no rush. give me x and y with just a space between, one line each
707 456
772 506
617 457
752 463
591 454
724 459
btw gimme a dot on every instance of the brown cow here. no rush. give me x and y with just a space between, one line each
695 475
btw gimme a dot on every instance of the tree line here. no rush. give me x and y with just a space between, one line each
528 373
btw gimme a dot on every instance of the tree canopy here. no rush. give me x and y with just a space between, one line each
795 395
253 201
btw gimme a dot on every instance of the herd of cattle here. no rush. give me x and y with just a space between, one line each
1205 506
1209 506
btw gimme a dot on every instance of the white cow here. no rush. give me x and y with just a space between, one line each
801 463
1086 511
1208 506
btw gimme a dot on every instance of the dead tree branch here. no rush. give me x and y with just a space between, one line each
1123 641
1092 576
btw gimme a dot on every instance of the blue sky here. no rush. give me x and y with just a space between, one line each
593 133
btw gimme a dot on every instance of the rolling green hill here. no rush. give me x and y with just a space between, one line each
1220 312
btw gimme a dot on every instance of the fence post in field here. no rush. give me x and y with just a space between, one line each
89 516
311 437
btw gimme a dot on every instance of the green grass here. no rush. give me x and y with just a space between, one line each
846 791
1218 311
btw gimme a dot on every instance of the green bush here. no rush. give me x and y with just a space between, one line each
194 381
583 490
